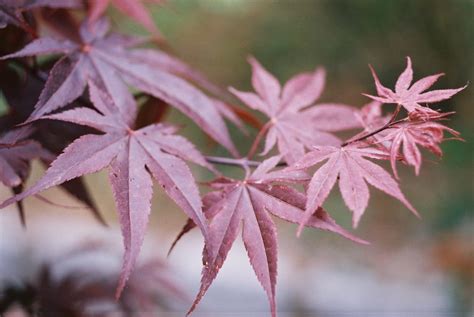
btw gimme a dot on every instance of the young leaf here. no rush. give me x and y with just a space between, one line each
134 156
408 136
105 59
348 165
294 127
409 95
251 202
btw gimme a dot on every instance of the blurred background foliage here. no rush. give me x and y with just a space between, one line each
344 36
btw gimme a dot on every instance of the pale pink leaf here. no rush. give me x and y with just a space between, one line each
412 97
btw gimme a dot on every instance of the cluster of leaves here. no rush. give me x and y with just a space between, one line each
77 133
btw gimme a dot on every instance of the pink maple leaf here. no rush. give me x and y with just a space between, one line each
409 95
408 136
348 165
250 202
293 125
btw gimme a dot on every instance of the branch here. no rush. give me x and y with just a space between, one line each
236 162
387 125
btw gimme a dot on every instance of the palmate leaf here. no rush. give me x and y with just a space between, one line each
351 167
251 202
15 158
409 95
133 158
107 60
293 125
404 138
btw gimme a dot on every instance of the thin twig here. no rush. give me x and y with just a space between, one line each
237 162
387 125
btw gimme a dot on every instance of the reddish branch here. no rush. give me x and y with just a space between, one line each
386 126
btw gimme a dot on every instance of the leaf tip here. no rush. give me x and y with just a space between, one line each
299 230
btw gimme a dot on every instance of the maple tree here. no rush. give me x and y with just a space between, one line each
110 127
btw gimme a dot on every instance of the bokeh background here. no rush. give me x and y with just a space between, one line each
413 267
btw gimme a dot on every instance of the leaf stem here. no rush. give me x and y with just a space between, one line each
258 138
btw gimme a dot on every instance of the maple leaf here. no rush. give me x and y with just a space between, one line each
15 157
133 8
402 139
133 158
251 202
107 60
351 167
408 136
409 95
292 127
